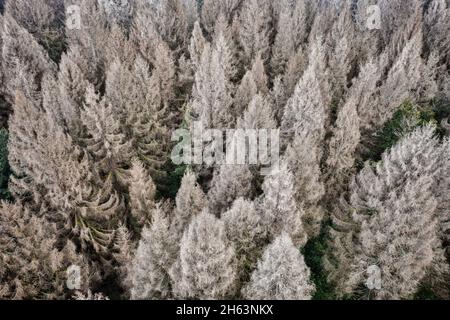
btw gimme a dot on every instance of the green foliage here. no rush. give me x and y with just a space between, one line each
314 252
4 166
405 120
52 36
168 188
54 46
441 107
200 4
172 182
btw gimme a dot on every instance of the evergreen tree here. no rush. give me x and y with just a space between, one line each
307 109
142 192
343 145
259 115
154 256
246 230
278 206
281 274
190 201
393 222
43 20
403 80
303 160
245 92
229 183
254 30
31 265
291 33
105 140
211 9
24 61
196 46
212 91
72 91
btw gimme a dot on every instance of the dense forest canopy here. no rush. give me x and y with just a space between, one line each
94 207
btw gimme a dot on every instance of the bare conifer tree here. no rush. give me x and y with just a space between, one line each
246 230
229 183
295 68
142 192
154 256
278 206
259 115
24 61
281 274
341 59
245 92
120 11
254 29
343 145
403 80
212 9
190 201
226 50
365 89
291 33
72 88
91 93
42 19
105 141
307 108
123 254
156 20
31 266
395 225
212 90
303 159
